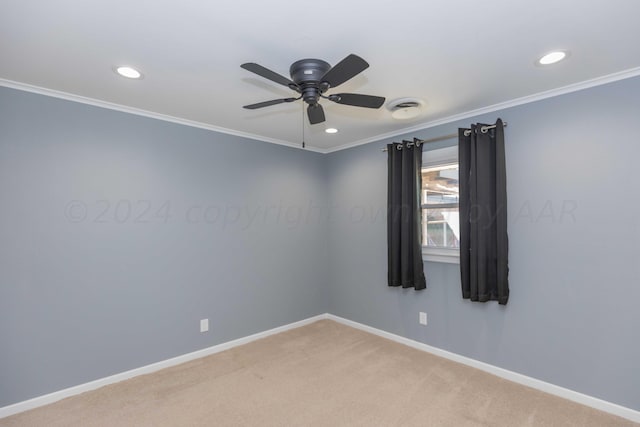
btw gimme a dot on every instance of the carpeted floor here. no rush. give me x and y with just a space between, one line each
322 374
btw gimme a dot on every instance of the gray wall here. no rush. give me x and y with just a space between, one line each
89 289
572 318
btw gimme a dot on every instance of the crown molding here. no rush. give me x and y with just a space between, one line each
146 113
586 84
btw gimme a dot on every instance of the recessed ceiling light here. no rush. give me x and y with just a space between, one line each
331 130
552 57
129 72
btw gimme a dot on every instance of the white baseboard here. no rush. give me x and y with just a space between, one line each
565 393
546 387
92 385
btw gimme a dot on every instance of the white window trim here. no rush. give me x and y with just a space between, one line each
432 158
449 256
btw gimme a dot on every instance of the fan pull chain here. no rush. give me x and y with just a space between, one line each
303 144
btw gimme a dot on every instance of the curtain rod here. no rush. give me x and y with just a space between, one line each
467 132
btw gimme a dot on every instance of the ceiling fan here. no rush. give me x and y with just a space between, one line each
311 78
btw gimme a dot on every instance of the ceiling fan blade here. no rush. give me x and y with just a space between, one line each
349 67
269 103
315 113
358 100
267 74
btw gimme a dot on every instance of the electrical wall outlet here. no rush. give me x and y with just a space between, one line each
204 325
423 318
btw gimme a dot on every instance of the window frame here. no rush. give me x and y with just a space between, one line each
433 158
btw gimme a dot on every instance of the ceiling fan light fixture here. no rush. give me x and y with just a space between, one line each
128 72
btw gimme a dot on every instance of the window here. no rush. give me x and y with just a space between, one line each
439 201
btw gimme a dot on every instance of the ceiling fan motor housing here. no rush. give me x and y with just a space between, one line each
308 70
307 74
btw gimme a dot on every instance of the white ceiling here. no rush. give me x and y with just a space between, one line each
457 55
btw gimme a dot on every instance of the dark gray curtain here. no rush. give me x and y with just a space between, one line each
404 224
484 245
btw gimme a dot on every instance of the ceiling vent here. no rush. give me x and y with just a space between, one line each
405 108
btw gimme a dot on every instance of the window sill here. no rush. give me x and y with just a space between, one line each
449 256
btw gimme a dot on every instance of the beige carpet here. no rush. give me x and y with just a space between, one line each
323 374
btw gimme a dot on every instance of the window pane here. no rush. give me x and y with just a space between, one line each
440 184
440 226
